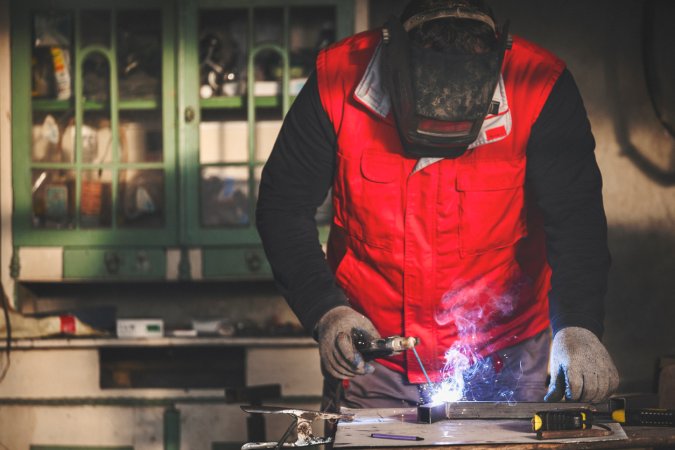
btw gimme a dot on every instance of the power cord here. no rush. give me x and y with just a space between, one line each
5 309
664 177
649 66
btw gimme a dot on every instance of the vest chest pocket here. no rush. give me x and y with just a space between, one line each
491 205
372 197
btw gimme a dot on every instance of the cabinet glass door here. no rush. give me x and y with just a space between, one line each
252 59
96 137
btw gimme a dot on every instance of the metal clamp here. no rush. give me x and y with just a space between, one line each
302 423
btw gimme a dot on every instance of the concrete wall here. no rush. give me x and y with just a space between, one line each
601 42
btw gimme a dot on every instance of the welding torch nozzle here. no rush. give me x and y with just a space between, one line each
401 343
377 348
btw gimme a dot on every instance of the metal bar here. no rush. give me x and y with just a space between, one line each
573 434
433 412
419 361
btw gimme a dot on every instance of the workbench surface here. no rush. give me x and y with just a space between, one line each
479 434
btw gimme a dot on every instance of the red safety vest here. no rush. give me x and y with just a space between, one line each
453 253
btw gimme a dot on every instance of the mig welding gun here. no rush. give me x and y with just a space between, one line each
378 348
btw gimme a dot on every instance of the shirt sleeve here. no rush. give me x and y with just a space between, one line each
294 183
564 176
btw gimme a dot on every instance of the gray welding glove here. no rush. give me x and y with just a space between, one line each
581 369
334 331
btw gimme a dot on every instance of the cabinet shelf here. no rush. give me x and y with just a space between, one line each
50 105
271 101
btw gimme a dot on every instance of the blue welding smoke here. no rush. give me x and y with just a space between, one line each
468 373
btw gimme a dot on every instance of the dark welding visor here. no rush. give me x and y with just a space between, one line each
439 99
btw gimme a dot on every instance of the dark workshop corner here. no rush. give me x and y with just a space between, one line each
620 54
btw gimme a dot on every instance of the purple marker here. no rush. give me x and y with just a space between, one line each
397 437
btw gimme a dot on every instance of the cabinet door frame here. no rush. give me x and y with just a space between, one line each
192 233
22 107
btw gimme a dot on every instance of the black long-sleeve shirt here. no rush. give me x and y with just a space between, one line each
561 172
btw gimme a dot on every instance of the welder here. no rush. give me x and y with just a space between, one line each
467 212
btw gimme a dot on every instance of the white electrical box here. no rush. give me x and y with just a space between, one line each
140 328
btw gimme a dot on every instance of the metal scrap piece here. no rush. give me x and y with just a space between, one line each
431 413
572 434
302 423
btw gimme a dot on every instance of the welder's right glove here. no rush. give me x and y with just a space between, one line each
334 332
581 368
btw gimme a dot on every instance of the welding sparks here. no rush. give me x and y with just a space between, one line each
467 375
452 387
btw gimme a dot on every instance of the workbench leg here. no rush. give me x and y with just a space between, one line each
171 428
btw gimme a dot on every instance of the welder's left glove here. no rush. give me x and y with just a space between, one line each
339 356
581 369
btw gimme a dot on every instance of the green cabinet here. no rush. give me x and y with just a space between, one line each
141 128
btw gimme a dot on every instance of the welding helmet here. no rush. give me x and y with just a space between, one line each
440 98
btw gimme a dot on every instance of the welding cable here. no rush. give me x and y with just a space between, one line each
649 57
8 325
649 62
661 176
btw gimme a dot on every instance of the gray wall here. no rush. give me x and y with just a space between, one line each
601 41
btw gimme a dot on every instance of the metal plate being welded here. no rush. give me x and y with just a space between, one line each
489 433
433 412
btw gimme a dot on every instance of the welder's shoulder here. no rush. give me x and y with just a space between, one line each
340 66
353 51
531 53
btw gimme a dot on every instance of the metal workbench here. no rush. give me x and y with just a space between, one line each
480 434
